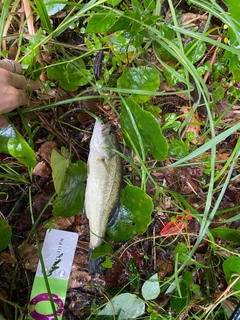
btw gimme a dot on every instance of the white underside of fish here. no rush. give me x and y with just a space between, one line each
102 193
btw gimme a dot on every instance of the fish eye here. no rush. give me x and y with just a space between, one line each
111 132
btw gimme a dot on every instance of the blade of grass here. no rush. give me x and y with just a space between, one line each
12 175
16 307
206 39
135 127
43 15
27 128
208 145
4 12
207 218
104 89
141 158
219 12
232 155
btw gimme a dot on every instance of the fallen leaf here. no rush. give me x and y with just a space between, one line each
174 227
43 170
46 149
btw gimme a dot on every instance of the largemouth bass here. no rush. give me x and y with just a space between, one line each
103 185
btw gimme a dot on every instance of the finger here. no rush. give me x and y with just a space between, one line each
17 98
13 99
3 122
33 85
7 65
20 82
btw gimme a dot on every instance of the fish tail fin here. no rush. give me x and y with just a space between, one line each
94 265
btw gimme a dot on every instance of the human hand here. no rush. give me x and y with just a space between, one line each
13 86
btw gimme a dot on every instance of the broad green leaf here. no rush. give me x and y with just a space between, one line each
171 122
71 198
13 143
114 2
59 166
236 77
20 149
151 288
148 127
167 32
125 306
101 251
71 74
231 267
149 4
137 6
5 135
172 76
140 78
154 110
101 22
124 22
226 234
178 148
134 215
195 50
181 252
233 39
134 277
233 60
132 267
107 263
31 54
122 46
5 234
218 92
196 288
54 6
65 153
234 10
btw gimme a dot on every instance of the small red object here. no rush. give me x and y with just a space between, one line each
174 227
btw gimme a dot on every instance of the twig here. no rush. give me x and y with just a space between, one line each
29 16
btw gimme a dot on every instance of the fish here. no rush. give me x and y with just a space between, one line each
103 186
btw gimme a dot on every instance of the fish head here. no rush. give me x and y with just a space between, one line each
104 140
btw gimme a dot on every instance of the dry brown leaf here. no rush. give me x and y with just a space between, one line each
189 17
43 170
194 125
46 149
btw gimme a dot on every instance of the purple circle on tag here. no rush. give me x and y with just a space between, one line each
45 297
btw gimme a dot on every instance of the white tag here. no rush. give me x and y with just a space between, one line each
58 253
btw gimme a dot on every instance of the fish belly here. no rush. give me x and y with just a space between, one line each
102 194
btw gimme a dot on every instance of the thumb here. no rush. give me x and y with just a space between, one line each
3 122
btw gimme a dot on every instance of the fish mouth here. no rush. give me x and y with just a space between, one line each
98 126
103 128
